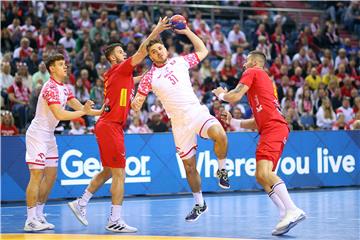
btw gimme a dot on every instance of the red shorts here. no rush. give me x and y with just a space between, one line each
271 143
110 138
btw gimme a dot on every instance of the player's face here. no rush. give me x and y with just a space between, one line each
59 69
158 53
119 54
249 62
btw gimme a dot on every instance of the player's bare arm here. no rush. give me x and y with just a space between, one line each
138 101
64 115
161 26
234 95
200 48
243 123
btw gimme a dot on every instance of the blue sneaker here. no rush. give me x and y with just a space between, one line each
196 213
223 178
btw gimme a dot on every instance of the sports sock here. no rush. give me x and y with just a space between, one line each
199 198
279 204
40 209
31 212
83 201
222 164
115 212
282 192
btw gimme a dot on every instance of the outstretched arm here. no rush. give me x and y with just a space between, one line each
141 53
200 48
234 95
243 123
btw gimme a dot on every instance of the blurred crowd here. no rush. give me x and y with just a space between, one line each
315 71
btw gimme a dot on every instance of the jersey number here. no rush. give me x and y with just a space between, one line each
173 79
123 97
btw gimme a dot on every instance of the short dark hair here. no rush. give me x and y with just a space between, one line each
110 48
258 53
153 42
52 59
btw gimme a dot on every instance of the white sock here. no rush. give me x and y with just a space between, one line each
222 164
279 204
282 192
31 212
115 213
83 201
199 198
40 209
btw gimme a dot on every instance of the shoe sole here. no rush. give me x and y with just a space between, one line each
223 187
73 209
194 220
34 230
126 231
290 226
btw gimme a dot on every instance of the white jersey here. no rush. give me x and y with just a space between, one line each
171 84
51 93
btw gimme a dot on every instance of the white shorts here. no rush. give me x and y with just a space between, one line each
41 150
185 130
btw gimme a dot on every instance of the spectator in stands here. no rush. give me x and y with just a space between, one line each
216 34
28 27
352 17
24 74
84 21
81 92
332 85
6 42
324 68
347 87
340 123
19 96
331 36
137 126
228 74
43 39
40 76
355 123
102 66
238 59
221 48
315 25
325 117
297 80
97 93
140 21
264 47
237 38
196 22
341 58
23 52
313 79
155 124
15 30
354 95
6 79
301 57
292 119
305 104
336 100
261 31
346 109
123 24
205 70
99 28
341 73
7 126
68 41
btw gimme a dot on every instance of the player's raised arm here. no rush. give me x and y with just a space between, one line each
200 48
141 53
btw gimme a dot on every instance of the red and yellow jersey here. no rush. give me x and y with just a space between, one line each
118 91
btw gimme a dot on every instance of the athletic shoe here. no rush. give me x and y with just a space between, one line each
196 213
79 211
223 178
291 219
33 225
42 220
120 227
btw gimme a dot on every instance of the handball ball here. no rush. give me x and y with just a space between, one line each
178 22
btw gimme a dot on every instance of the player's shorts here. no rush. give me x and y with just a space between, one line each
110 138
271 143
198 121
41 149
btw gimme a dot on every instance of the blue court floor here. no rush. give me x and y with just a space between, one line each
332 214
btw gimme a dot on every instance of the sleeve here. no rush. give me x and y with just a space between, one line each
191 60
70 94
125 67
51 95
11 89
248 77
145 83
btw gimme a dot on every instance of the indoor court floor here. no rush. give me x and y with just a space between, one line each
332 214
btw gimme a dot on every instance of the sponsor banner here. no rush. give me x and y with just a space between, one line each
310 159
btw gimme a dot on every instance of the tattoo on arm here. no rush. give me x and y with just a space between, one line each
238 88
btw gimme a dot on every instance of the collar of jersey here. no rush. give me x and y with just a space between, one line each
162 65
59 83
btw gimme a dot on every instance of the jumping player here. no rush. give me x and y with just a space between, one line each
273 132
118 90
169 79
41 148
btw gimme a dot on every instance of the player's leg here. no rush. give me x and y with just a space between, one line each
35 158
47 183
216 132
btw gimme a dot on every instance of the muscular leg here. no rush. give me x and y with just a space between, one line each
264 174
218 135
192 174
47 183
99 179
33 188
117 186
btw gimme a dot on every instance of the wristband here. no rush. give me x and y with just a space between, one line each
221 96
235 122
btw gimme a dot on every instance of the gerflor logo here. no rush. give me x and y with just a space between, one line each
79 171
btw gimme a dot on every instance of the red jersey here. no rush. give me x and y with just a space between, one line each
8 130
118 91
262 97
